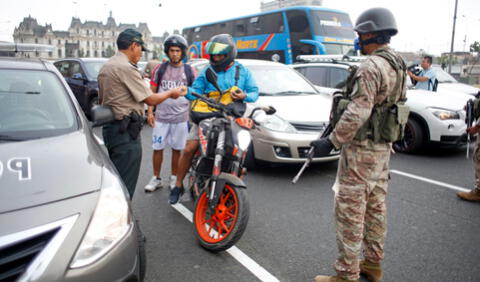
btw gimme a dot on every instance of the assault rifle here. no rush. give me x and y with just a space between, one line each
311 153
469 121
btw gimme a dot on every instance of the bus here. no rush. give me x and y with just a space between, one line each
279 35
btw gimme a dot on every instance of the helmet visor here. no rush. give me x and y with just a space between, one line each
216 48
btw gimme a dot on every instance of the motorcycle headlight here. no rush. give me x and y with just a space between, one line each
276 123
110 222
444 114
243 139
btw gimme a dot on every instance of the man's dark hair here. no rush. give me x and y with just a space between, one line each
123 45
429 59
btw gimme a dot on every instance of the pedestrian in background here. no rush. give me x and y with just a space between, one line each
121 86
170 122
365 132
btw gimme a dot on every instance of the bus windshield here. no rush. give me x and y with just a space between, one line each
332 24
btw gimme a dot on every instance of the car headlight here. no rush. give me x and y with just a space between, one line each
243 139
276 123
444 114
110 222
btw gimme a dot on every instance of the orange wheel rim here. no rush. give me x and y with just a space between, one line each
215 227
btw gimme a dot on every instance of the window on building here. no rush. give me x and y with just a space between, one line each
88 43
88 32
88 53
36 40
59 53
103 44
49 41
59 41
50 54
103 33
95 53
78 30
94 32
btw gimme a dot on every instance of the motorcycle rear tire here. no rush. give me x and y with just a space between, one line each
231 214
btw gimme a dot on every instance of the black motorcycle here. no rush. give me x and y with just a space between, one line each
215 178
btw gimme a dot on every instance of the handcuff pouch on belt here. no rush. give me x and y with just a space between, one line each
132 124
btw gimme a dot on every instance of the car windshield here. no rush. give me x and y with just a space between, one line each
33 104
275 80
444 77
93 68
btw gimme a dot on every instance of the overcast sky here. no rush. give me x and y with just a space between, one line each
423 24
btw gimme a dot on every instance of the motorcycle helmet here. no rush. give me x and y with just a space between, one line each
221 44
176 40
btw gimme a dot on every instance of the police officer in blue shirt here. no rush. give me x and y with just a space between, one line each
426 78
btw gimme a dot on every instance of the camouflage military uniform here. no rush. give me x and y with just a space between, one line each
362 178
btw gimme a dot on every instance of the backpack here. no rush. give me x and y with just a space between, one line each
433 84
188 73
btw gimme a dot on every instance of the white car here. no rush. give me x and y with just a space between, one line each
436 117
302 114
446 82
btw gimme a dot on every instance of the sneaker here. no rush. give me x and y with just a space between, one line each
154 183
172 181
175 195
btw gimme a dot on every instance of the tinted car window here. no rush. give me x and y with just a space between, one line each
64 68
76 68
273 80
337 77
33 104
317 75
93 68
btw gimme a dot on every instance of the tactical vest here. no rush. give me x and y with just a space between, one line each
387 121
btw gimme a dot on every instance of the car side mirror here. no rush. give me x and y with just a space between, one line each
101 115
78 76
212 78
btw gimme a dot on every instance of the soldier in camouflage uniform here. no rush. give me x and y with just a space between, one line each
474 194
378 86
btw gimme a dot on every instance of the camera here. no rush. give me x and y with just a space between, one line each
416 70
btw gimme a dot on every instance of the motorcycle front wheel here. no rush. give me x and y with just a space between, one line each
222 228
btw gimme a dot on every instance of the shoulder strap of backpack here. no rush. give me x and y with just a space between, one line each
237 74
188 73
160 72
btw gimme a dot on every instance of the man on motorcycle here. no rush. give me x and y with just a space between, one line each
222 51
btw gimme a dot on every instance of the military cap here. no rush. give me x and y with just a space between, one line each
131 35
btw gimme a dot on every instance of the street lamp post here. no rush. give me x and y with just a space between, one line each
453 39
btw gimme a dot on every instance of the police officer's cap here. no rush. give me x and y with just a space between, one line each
375 20
130 35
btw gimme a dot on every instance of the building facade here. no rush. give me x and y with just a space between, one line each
87 39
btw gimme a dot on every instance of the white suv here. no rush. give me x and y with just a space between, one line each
434 116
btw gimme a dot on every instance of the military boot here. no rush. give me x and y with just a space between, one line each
473 195
373 271
321 278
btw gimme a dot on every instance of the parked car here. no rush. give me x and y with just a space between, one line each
65 214
81 75
435 117
302 114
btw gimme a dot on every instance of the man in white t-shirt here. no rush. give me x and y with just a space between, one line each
170 122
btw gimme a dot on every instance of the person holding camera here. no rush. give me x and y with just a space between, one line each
427 77
121 86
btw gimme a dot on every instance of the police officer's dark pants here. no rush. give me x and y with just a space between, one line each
125 153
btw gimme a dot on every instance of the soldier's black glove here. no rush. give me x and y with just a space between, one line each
322 146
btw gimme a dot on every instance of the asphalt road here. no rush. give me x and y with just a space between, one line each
432 235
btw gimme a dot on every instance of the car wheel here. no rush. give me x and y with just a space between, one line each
250 158
413 138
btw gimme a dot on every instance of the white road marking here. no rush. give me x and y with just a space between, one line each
235 252
439 183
